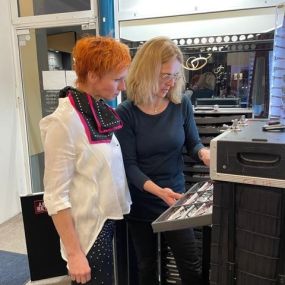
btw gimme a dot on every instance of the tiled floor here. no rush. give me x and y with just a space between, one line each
12 238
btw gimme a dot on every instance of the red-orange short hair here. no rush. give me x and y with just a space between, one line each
99 55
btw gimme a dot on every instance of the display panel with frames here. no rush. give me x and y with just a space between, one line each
238 62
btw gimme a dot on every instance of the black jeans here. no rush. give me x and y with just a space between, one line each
100 257
182 244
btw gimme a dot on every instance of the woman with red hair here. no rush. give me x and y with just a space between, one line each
84 180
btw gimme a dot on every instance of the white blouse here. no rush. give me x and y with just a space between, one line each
87 178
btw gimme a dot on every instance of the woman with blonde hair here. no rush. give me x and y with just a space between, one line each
207 80
205 87
158 123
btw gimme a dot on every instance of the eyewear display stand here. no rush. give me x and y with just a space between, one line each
194 209
248 231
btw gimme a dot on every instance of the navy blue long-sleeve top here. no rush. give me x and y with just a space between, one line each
152 150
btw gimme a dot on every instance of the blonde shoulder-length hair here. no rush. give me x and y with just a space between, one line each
144 73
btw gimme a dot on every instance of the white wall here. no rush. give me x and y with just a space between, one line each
140 9
140 20
11 146
197 25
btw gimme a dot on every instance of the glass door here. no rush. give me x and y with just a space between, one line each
46 67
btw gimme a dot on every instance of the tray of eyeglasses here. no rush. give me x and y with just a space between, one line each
194 209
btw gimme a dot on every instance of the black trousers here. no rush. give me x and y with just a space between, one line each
182 244
100 257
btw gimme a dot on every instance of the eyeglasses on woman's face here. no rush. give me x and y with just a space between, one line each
165 77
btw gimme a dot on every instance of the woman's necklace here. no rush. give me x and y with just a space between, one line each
154 109
158 107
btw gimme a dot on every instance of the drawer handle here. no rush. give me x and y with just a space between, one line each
255 159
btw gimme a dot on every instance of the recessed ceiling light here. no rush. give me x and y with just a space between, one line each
196 41
226 39
189 41
211 40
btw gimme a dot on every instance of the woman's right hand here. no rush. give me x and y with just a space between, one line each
169 197
79 269
77 263
166 194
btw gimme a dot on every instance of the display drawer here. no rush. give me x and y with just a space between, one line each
249 155
192 210
216 119
224 102
205 130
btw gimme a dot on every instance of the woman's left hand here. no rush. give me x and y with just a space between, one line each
204 155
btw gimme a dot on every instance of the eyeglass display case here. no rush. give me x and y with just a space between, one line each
194 209
248 230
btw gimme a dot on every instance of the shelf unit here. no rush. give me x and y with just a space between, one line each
210 123
248 219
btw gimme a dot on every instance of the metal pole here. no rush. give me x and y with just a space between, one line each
107 25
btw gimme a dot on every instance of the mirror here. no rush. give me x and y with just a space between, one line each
230 70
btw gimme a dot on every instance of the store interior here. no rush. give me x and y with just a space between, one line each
244 53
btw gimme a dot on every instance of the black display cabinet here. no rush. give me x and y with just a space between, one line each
248 231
